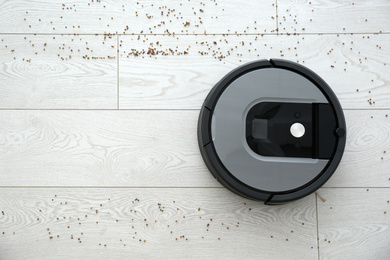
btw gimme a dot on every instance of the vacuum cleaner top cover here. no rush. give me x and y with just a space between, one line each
272 130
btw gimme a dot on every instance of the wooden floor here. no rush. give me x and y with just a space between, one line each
98 111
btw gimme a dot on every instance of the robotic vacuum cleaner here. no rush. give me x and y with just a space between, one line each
272 130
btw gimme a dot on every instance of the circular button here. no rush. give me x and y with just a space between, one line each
297 130
297 115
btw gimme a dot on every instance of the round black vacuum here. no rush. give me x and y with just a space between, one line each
272 130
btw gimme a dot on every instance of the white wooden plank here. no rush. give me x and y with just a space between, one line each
347 62
113 16
366 161
58 71
239 228
353 224
151 149
336 16
101 148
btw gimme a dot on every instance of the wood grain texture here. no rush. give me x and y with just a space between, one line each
335 16
355 66
353 224
232 227
113 16
366 160
101 148
151 149
118 184
58 71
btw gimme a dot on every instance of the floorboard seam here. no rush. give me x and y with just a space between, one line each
153 109
106 187
292 33
117 70
318 238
